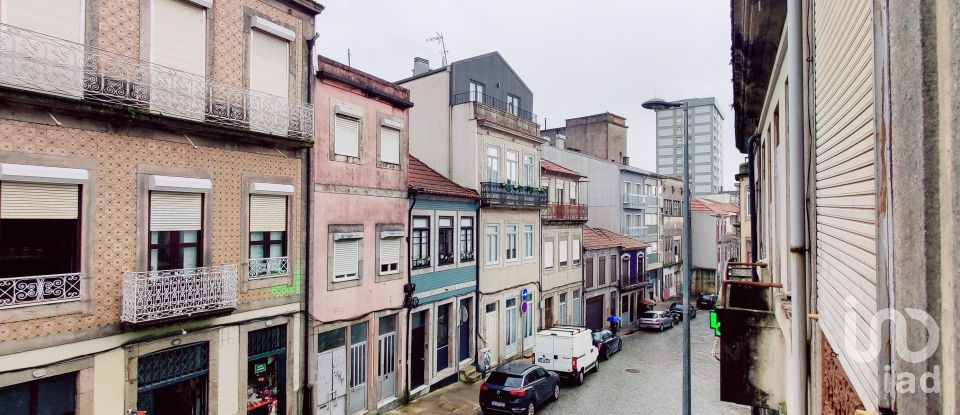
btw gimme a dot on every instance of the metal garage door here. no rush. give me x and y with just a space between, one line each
595 313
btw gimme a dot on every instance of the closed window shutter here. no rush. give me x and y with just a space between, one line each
346 141
19 200
178 36
346 258
547 254
170 211
390 145
389 251
269 67
61 19
563 251
576 249
268 213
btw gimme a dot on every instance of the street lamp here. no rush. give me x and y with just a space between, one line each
658 104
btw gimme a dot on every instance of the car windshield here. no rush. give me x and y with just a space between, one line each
503 379
650 314
676 306
704 296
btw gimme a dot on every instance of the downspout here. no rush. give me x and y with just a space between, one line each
751 141
797 384
308 246
412 194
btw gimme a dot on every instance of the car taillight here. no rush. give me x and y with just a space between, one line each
574 364
657 320
518 392
484 387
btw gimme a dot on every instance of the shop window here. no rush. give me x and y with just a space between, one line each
266 371
174 381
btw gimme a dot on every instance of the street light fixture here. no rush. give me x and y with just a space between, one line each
658 104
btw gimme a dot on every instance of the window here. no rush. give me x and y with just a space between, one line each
52 395
477 91
573 192
511 242
564 254
513 105
466 239
654 247
346 256
513 166
175 229
493 244
563 309
627 188
493 164
576 307
527 241
178 38
420 242
389 145
39 232
602 270
445 240
529 171
588 273
510 325
575 252
651 219
346 136
269 73
390 245
443 336
547 254
268 235
560 199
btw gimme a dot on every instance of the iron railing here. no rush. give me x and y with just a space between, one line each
558 212
159 295
466 256
492 102
420 263
504 194
635 201
40 63
268 267
39 289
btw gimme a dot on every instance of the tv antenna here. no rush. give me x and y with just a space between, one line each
443 47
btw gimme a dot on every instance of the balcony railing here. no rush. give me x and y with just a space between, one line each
40 63
492 102
634 201
505 194
39 289
161 295
558 212
420 263
466 256
268 267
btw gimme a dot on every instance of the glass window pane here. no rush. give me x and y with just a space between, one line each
388 324
56 395
276 250
189 237
276 236
16 399
358 333
330 340
256 236
256 251
154 237
190 257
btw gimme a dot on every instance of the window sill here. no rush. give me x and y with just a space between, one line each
389 166
267 281
341 283
389 277
345 159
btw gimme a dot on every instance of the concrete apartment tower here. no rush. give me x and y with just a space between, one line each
706 158
603 136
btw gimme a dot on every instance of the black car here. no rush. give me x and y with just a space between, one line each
607 343
677 310
707 301
518 387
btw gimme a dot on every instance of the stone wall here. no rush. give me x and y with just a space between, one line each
838 396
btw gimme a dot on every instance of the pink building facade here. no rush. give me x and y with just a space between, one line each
358 251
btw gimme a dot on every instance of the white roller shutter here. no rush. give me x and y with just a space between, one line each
346 136
269 64
548 254
389 145
563 251
389 251
346 258
268 213
171 211
22 200
179 38
61 19
576 250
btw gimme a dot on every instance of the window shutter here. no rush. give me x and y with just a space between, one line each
268 213
346 141
390 145
389 251
58 18
563 251
576 250
179 41
547 254
170 211
21 200
269 64
346 258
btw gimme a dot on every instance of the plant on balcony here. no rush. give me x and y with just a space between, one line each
466 256
445 259
421 263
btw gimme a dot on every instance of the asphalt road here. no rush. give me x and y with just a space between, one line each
645 378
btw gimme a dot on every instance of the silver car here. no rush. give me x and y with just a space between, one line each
656 320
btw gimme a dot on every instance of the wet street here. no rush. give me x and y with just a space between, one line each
645 378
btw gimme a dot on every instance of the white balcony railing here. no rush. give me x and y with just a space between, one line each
45 64
268 267
39 289
633 200
159 295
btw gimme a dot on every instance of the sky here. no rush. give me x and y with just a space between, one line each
579 57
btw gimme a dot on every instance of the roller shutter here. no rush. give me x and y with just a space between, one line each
346 258
23 200
389 251
389 145
269 66
346 137
171 211
268 213
61 19
178 36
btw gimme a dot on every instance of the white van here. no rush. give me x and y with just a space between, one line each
567 350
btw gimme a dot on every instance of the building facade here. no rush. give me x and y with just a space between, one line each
640 219
706 138
715 243
358 224
601 289
443 255
561 282
671 225
632 289
603 136
181 193
599 191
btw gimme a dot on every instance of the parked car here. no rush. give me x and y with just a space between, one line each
707 301
518 387
656 320
567 350
676 308
607 343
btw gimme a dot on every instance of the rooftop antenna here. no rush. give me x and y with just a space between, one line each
443 47
348 58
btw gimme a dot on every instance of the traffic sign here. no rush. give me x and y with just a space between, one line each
524 295
523 307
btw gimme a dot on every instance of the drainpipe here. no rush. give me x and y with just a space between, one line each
308 246
751 141
407 332
797 395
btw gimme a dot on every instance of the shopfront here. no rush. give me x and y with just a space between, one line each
174 381
266 371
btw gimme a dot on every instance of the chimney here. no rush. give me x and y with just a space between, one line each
420 65
626 160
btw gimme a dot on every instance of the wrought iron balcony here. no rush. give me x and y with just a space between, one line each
39 289
161 295
557 212
36 62
509 195
268 267
634 201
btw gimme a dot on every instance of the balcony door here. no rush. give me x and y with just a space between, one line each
178 51
269 75
176 224
50 59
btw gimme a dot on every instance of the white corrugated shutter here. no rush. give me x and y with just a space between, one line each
346 136
389 251
576 250
62 19
563 251
269 66
179 41
846 239
21 200
171 211
389 145
346 258
268 213
547 254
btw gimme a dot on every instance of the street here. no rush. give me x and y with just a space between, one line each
645 378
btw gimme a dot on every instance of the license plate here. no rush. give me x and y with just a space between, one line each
500 404
543 360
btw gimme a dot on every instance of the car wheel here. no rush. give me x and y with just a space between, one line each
606 353
556 391
531 408
661 326
579 377
596 366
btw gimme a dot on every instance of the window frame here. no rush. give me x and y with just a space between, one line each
424 234
528 243
451 243
529 170
380 146
513 166
514 239
492 252
466 237
492 164
513 105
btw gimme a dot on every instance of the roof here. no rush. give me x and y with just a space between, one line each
390 92
551 167
600 238
515 367
700 205
423 179
482 56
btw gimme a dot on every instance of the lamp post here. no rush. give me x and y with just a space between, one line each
657 104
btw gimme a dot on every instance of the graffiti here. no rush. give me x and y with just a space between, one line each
285 290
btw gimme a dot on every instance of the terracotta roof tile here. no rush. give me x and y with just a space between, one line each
551 167
423 179
599 238
700 205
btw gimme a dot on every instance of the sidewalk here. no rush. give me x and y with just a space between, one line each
458 398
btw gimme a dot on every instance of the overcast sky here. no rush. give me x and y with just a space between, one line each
579 57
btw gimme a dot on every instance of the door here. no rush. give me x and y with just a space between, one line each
387 368
418 349
595 313
463 337
332 382
358 377
491 331
548 312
